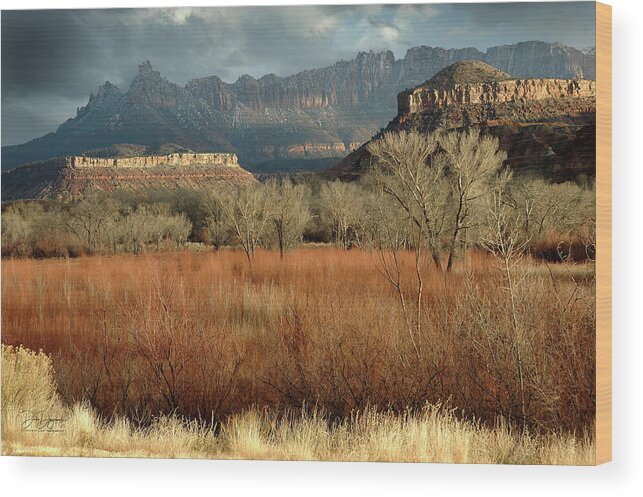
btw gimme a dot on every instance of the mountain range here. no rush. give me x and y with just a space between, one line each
312 118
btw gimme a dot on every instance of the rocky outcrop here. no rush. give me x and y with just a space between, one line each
546 126
77 175
310 112
182 160
433 98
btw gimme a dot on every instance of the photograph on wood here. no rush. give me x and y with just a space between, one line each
319 232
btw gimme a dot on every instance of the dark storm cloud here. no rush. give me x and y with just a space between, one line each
51 60
571 23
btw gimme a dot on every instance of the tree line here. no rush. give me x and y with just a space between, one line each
441 193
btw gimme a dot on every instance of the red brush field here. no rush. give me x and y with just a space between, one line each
208 335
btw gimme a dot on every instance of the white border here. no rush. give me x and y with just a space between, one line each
49 477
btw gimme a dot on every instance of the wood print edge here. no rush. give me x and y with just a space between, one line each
603 233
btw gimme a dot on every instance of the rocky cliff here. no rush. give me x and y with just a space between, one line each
318 113
435 97
546 126
75 175
180 160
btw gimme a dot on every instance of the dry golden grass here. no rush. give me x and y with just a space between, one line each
434 434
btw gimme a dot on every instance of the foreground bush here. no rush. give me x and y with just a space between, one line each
432 434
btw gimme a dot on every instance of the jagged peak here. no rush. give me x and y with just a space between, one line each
145 67
107 89
147 78
147 73
106 95
271 77
467 72
244 79
372 54
104 90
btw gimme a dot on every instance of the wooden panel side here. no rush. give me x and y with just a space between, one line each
603 233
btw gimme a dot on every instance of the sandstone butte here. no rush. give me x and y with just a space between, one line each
547 126
79 175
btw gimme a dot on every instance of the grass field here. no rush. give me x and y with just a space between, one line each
310 357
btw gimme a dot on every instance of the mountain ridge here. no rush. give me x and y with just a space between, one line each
316 113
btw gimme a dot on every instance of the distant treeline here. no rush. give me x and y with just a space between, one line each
446 192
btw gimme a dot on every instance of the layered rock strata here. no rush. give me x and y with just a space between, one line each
79 175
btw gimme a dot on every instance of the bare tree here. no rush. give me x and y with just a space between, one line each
177 228
16 227
288 211
408 168
341 202
245 210
504 238
473 164
215 221
553 208
381 223
131 229
88 220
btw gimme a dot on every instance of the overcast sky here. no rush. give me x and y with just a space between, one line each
51 60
